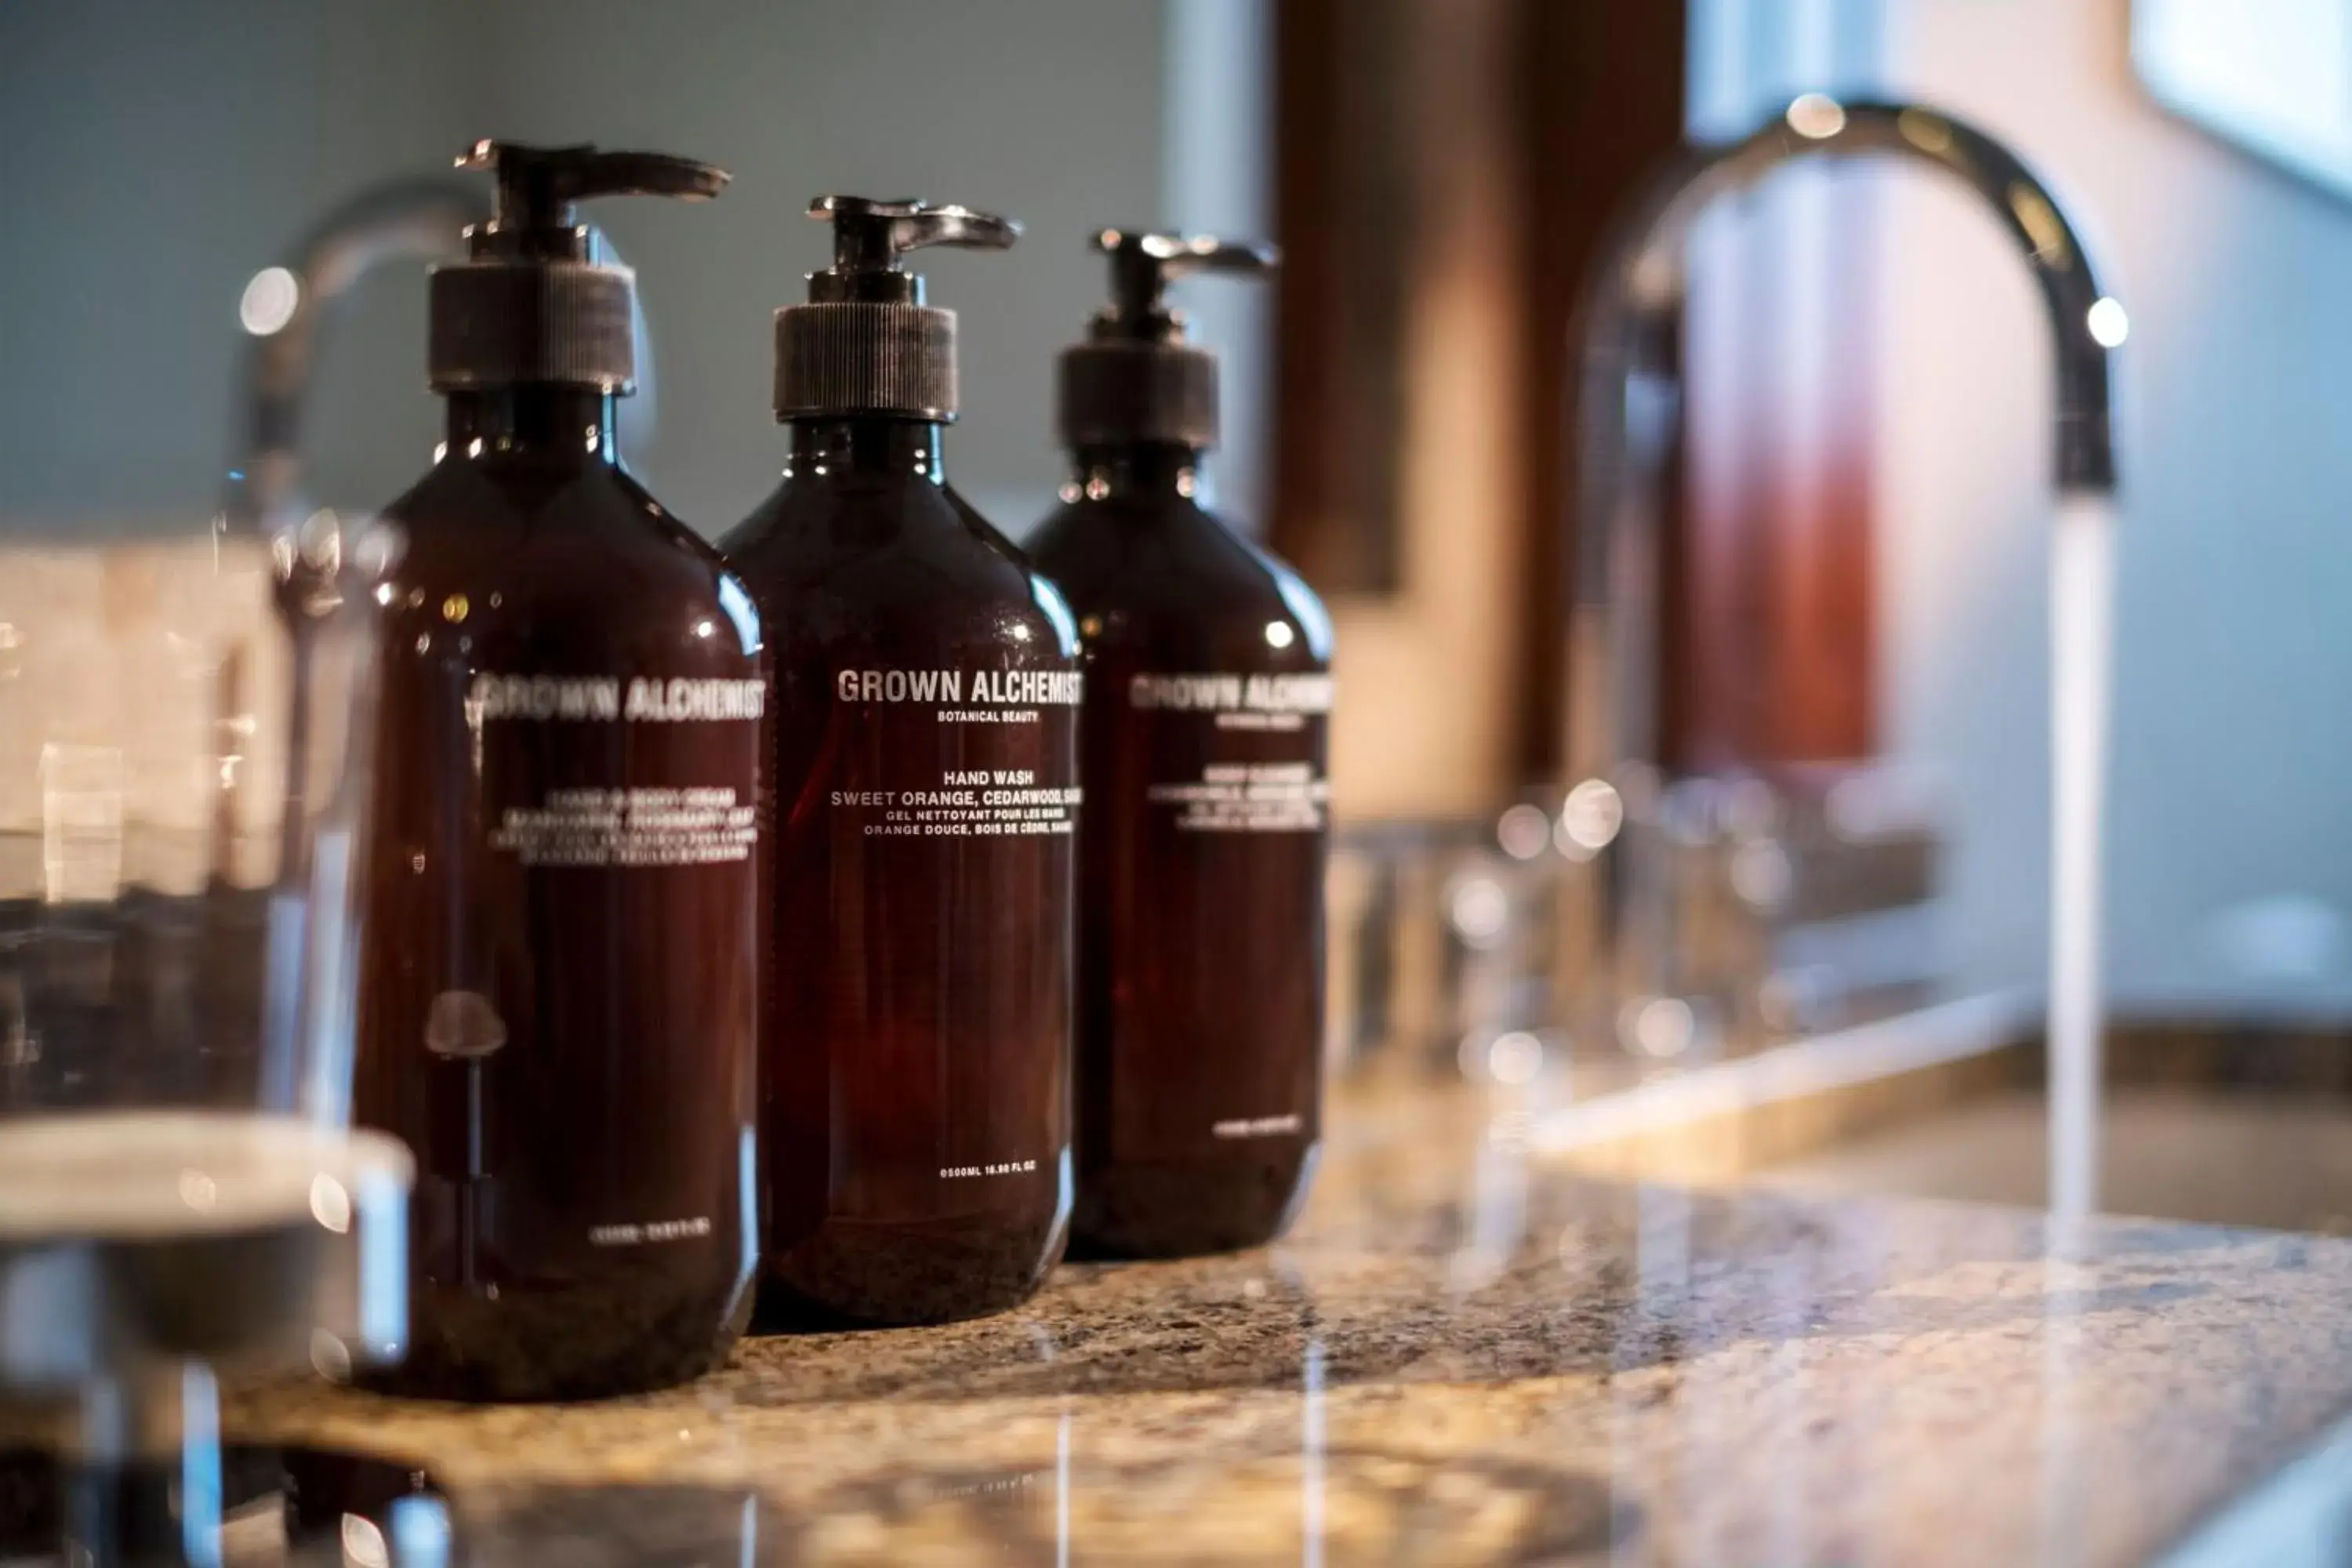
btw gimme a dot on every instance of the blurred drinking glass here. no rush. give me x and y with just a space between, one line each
184 776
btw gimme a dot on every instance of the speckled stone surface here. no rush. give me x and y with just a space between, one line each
1461 1358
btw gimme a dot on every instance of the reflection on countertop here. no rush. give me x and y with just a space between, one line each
1462 1356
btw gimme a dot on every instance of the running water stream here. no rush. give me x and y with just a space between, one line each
2082 624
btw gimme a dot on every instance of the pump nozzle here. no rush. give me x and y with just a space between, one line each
537 187
1135 379
866 343
1143 265
532 305
869 237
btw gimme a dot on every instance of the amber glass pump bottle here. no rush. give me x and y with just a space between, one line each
1202 845
558 998
917 1098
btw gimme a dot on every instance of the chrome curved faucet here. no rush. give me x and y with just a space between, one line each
1629 384
283 310
1630 406
414 218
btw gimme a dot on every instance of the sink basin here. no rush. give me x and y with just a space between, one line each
2214 1156
2217 1122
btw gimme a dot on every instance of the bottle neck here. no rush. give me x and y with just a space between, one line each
866 444
577 421
1142 470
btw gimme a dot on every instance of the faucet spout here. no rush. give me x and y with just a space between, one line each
1630 381
424 219
1630 407
420 218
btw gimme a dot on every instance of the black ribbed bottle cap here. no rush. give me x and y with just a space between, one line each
864 343
508 323
1113 392
849 357
1135 379
535 303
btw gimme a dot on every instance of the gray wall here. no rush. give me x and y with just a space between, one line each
160 153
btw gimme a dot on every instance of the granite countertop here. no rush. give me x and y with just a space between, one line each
1464 1356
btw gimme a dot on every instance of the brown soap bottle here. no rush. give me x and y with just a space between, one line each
559 985
916 1102
1202 845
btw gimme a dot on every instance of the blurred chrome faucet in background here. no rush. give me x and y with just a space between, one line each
283 310
1655 969
1648 919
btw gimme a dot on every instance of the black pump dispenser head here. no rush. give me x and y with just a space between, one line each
866 343
1135 378
531 304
